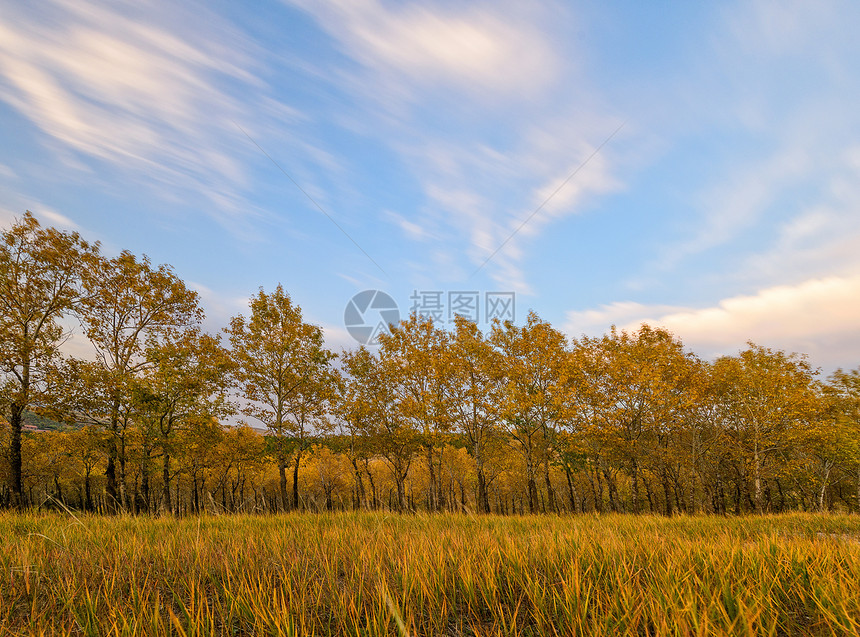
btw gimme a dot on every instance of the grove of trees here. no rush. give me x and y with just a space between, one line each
520 419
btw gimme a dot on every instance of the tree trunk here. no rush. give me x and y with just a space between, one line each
282 473
757 477
373 493
483 497
634 474
821 496
571 490
401 493
112 488
667 491
858 488
433 495
165 476
195 497
550 492
123 489
613 490
110 476
649 493
296 478
534 504
596 488
144 484
59 489
88 490
531 485
16 483
361 495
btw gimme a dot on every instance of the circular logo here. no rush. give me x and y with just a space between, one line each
369 314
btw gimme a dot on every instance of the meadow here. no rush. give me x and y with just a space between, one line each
388 574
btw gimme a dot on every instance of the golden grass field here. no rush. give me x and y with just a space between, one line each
382 574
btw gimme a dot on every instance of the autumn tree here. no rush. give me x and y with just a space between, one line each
238 459
354 411
185 384
767 398
532 407
85 447
708 451
413 355
128 304
198 455
372 408
475 392
40 275
640 390
840 441
325 473
285 376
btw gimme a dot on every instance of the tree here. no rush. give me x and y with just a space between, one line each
40 274
413 356
85 447
767 399
285 376
472 366
371 406
840 442
639 388
237 458
128 304
533 403
354 409
186 384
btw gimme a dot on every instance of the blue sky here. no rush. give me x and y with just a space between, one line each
724 202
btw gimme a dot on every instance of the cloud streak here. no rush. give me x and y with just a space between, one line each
444 81
132 88
469 47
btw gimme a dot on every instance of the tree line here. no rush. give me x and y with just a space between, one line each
520 419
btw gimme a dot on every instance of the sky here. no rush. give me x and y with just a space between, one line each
691 165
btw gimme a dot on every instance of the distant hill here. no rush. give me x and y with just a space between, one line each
35 421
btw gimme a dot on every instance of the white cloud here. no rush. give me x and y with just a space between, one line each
143 88
736 202
412 230
501 66
219 308
767 115
472 47
778 29
337 338
494 198
819 317
57 219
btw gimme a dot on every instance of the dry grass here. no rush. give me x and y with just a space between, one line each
376 574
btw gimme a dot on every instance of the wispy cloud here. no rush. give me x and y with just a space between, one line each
737 202
469 46
773 95
133 86
410 229
57 219
219 307
486 106
492 196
